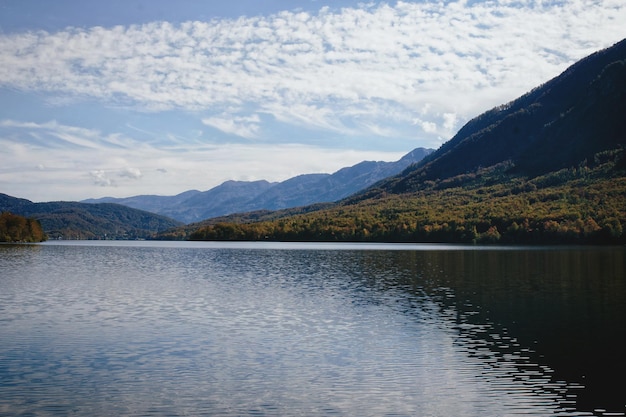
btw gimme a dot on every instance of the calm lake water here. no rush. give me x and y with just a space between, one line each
260 329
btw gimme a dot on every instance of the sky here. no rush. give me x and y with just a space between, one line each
132 97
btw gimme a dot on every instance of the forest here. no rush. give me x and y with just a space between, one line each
578 205
14 229
547 168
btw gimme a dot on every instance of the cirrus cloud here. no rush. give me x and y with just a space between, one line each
244 126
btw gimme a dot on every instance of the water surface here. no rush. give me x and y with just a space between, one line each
196 328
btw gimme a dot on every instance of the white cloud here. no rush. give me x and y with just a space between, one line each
457 57
54 135
244 126
444 125
450 121
429 127
100 178
132 173
312 116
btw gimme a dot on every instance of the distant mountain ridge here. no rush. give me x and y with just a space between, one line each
243 196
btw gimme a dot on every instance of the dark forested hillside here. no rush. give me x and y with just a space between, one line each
69 220
549 167
557 125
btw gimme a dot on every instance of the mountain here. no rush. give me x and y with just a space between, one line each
194 205
70 220
243 196
548 167
557 125
227 197
319 188
151 203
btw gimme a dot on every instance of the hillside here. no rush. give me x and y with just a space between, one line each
557 125
243 196
548 167
70 220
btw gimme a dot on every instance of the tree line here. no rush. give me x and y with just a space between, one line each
579 205
14 228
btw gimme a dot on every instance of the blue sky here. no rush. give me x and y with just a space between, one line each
131 97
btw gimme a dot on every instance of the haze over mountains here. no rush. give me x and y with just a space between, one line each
243 196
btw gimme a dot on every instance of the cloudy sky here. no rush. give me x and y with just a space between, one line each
127 97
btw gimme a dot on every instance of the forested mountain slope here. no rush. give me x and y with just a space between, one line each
558 125
549 167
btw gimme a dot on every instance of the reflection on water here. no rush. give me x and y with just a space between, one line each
181 329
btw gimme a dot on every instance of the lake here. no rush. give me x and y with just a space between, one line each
103 328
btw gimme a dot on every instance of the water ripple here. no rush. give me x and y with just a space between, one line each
110 330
